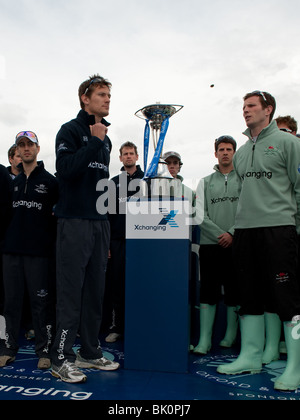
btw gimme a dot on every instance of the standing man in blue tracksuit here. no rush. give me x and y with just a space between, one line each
82 160
122 187
5 213
28 253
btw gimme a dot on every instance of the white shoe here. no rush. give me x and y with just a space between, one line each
68 372
102 363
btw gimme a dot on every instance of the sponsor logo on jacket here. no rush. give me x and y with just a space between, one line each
27 204
223 199
258 174
98 165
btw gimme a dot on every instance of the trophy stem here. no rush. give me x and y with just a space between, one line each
155 137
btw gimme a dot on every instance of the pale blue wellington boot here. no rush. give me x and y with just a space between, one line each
273 333
252 346
290 379
232 327
207 319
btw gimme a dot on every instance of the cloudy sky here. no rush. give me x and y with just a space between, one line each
168 51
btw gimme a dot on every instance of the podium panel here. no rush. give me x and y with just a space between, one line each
158 254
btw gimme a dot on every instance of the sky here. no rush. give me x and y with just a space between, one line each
167 51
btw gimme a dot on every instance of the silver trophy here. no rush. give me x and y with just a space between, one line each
157 179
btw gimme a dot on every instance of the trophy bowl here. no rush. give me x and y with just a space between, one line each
157 175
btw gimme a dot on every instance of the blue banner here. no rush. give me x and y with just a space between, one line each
152 170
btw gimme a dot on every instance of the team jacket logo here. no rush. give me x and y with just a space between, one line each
42 189
168 217
42 293
271 150
282 277
61 147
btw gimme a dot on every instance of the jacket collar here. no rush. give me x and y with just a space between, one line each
137 172
271 128
38 168
88 119
217 169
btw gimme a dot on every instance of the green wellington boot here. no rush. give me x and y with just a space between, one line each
273 333
252 346
290 379
232 327
207 319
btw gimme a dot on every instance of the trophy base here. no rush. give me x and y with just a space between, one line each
161 187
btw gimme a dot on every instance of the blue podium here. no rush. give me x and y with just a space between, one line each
157 313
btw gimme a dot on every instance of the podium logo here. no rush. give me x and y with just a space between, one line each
168 217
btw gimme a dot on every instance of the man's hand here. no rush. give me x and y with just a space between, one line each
99 130
225 240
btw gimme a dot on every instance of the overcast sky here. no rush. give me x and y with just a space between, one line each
168 51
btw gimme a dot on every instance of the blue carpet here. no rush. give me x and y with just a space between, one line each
22 380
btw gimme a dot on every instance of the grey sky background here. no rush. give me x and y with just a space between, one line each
166 51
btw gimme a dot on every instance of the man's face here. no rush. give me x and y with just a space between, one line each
28 150
224 154
128 157
173 165
98 103
255 115
15 160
